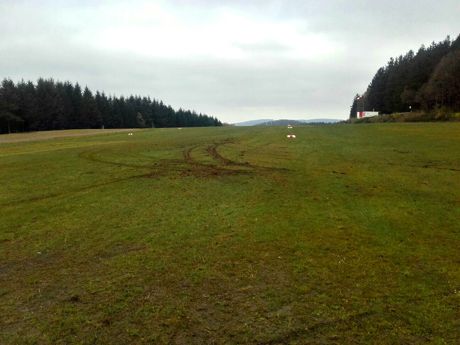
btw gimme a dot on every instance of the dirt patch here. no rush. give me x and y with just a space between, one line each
401 151
309 330
121 249
39 261
211 171
196 168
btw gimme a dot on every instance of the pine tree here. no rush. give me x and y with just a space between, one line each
56 105
354 107
90 115
9 120
403 83
443 88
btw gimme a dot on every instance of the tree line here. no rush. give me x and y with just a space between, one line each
426 80
53 105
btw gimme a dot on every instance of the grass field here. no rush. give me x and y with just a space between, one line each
345 235
47 135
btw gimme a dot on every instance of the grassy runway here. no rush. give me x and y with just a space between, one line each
345 235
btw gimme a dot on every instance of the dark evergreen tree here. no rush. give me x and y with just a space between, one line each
49 105
443 88
27 103
90 116
354 107
416 80
9 107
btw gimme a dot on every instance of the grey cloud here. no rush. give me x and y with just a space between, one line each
36 42
264 48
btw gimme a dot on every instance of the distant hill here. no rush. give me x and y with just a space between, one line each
322 121
284 122
252 122
297 122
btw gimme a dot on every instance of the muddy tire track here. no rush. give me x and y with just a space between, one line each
154 171
92 156
188 166
220 159
198 169
425 166
74 191
311 330
212 151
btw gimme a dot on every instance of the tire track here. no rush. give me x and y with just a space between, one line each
73 192
193 167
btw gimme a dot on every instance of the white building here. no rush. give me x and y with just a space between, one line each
361 114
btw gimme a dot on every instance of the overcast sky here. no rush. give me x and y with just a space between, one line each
237 60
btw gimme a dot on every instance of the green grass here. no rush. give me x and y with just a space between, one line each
345 235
